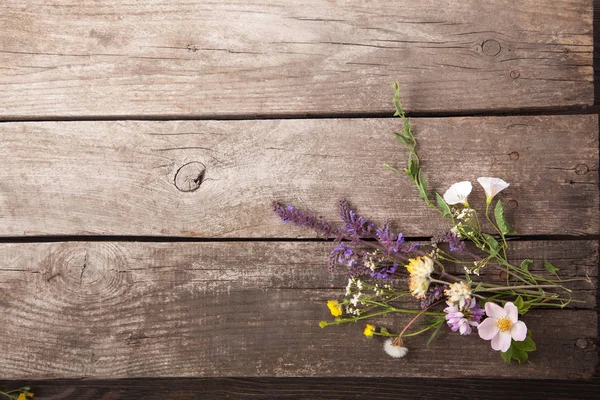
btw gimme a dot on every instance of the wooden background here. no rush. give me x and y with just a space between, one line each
141 145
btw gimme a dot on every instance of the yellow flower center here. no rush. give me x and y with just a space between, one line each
504 324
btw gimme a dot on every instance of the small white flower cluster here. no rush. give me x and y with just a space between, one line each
476 267
465 214
353 311
352 282
455 230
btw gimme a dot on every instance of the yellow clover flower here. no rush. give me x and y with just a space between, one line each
420 270
369 330
335 308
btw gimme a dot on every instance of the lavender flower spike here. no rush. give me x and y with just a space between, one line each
356 226
290 214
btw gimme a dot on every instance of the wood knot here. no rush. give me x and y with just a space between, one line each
491 47
515 74
581 343
514 155
84 273
189 177
513 204
582 169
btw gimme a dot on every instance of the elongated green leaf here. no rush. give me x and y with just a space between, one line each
435 332
405 140
443 205
501 220
492 244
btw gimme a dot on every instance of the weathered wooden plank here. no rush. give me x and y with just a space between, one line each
116 310
313 388
222 58
122 178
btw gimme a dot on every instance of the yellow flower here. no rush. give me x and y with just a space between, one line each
369 330
22 396
335 308
420 269
421 266
30 394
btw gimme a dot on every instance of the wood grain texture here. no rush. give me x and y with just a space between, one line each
311 388
223 58
138 177
130 309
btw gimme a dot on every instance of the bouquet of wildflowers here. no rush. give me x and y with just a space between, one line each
375 257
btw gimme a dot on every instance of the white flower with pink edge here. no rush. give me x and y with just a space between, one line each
502 326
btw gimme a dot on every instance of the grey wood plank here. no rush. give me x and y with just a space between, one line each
130 309
222 58
218 178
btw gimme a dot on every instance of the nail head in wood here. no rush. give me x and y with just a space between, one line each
189 177
582 169
491 47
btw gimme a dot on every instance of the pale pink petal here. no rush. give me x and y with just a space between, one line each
519 331
512 312
494 310
501 341
487 329
463 328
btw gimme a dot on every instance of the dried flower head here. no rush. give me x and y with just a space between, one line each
420 270
394 348
458 292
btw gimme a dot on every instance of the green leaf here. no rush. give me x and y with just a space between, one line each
412 166
422 180
507 355
518 350
550 268
519 303
525 264
433 334
500 220
526 345
407 130
405 140
519 355
443 205
492 244
525 308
